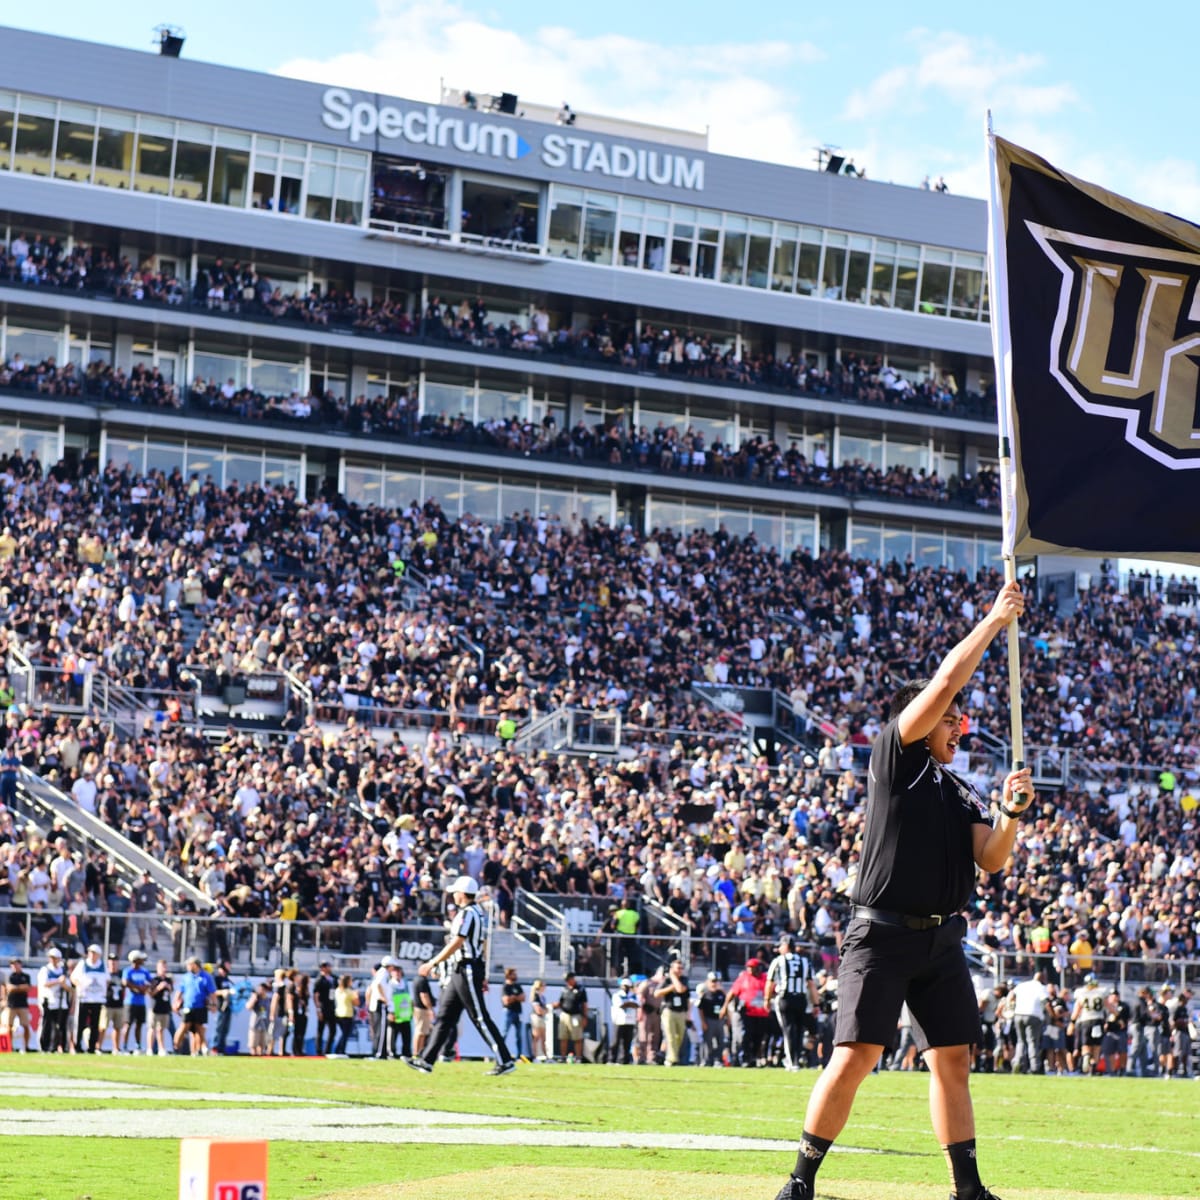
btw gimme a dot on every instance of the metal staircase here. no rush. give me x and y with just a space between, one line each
47 807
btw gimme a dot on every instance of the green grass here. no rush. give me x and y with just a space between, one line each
1038 1137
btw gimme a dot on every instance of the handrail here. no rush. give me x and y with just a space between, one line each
40 797
532 937
501 247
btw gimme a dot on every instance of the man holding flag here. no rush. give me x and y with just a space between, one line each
925 833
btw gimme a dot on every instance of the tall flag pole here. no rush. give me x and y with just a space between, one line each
1002 354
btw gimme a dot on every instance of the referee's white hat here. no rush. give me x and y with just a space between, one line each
464 883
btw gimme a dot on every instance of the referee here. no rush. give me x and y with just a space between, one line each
790 991
463 989
924 834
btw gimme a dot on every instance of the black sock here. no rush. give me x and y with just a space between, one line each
964 1170
810 1157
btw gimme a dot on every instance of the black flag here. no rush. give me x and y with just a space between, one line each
1096 325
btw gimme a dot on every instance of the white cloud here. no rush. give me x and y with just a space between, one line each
726 87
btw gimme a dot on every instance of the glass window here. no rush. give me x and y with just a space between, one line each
363 485
232 140
401 488
445 490
935 282
707 243
481 498
930 550
883 277
783 268
663 514
857 273
654 246
590 507
733 254
496 405
515 500
450 400
348 200
599 229
6 131
76 143
114 150
279 472
276 378
318 199
914 455
799 533
867 450
907 270
767 528
33 345
164 457
865 540
966 292
897 544
833 267
809 266
243 468
204 461
192 163
127 452
629 238
34 137
758 261
219 367
566 220
152 172
231 169
683 239
960 554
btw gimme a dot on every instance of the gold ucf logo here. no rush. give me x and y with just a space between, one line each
1126 339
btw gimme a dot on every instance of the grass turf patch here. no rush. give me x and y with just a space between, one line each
1093 1137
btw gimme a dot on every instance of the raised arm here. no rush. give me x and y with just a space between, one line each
926 709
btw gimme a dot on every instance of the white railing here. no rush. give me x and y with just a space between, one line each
402 231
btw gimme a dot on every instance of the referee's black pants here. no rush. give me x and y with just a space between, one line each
463 992
789 1011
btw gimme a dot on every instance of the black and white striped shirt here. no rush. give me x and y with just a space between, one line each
471 925
789 973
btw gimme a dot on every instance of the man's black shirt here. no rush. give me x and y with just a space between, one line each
918 855
573 999
709 1003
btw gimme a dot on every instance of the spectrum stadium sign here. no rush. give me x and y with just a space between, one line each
428 126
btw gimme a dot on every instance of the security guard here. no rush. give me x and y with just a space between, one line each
463 956
790 992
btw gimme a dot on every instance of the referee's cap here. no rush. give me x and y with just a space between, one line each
464 883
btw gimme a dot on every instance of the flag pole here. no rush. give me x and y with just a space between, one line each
1002 353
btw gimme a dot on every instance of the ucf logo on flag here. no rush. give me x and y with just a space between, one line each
1096 327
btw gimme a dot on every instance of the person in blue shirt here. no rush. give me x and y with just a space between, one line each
196 988
137 983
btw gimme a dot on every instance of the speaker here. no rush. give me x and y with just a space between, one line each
508 103
834 165
170 46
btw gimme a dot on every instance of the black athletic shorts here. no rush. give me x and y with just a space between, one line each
882 966
196 1018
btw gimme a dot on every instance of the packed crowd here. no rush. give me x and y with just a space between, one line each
327 823
235 287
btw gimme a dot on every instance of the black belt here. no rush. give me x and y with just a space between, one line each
884 917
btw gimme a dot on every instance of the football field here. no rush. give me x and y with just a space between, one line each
108 1129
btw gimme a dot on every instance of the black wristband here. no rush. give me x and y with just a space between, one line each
1012 816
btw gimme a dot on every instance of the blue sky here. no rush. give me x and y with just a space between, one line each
1105 91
